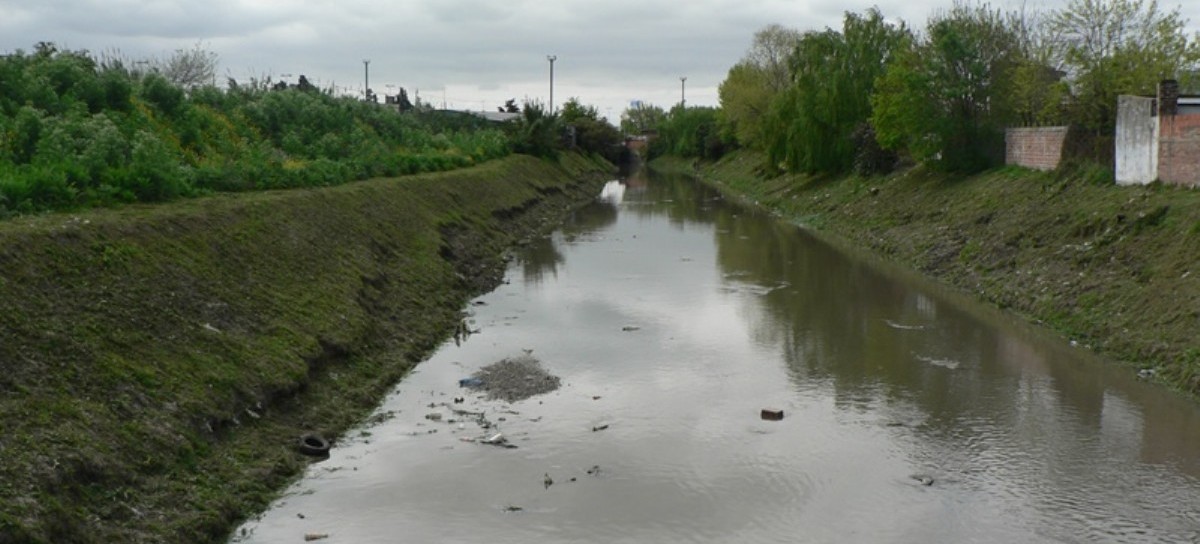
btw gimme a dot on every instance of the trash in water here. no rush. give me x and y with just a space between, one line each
630 328
923 479
771 414
470 382
515 378
315 536
435 416
511 508
944 363
459 400
494 439
547 482
594 471
600 427
904 327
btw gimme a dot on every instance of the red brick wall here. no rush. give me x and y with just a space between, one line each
1179 149
1035 147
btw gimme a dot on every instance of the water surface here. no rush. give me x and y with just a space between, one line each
674 318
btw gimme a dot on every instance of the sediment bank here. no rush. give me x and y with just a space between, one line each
158 364
1114 269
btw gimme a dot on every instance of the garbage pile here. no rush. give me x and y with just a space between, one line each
512 379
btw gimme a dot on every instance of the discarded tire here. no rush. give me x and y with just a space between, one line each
314 445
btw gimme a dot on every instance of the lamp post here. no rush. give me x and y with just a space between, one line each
366 79
682 92
551 58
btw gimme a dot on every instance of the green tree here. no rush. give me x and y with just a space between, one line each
752 83
536 132
592 133
833 76
1113 47
689 132
641 117
948 99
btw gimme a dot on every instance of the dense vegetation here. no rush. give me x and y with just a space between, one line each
877 92
80 131
157 363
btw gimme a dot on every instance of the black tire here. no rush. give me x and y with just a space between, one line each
314 445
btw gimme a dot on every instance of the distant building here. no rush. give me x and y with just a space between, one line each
496 116
1158 138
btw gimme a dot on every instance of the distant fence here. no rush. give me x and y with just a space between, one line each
1040 148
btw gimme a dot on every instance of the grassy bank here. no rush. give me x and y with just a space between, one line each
1113 268
158 363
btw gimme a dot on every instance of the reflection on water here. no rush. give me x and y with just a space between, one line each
613 192
674 318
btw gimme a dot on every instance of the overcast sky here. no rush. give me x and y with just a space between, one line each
471 54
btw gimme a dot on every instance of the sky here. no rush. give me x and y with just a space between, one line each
464 54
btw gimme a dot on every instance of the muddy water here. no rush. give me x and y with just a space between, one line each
674 318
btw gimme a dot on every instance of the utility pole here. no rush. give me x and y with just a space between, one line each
366 79
683 91
551 58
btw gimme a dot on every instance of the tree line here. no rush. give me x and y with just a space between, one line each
877 93
79 130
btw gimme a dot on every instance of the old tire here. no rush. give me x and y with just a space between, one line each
314 445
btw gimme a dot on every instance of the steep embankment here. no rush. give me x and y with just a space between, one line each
1113 268
158 363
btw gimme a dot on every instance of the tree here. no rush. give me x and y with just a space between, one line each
189 68
833 76
689 132
752 83
402 102
770 52
510 106
592 133
948 99
536 131
640 117
1040 91
1113 47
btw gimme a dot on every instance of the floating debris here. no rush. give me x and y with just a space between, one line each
600 427
473 383
950 364
923 479
771 414
904 327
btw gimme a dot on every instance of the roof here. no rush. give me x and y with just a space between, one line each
497 116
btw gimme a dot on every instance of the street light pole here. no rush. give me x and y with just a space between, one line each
551 58
683 91
366 79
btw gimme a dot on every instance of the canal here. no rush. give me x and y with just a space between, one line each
673 318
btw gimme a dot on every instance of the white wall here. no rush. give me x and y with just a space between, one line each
1136 141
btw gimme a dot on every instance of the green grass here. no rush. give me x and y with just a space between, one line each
1114 268
157 363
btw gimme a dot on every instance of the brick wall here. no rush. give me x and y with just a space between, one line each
1179 149
1035 147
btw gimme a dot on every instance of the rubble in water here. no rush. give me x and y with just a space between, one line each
513 379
